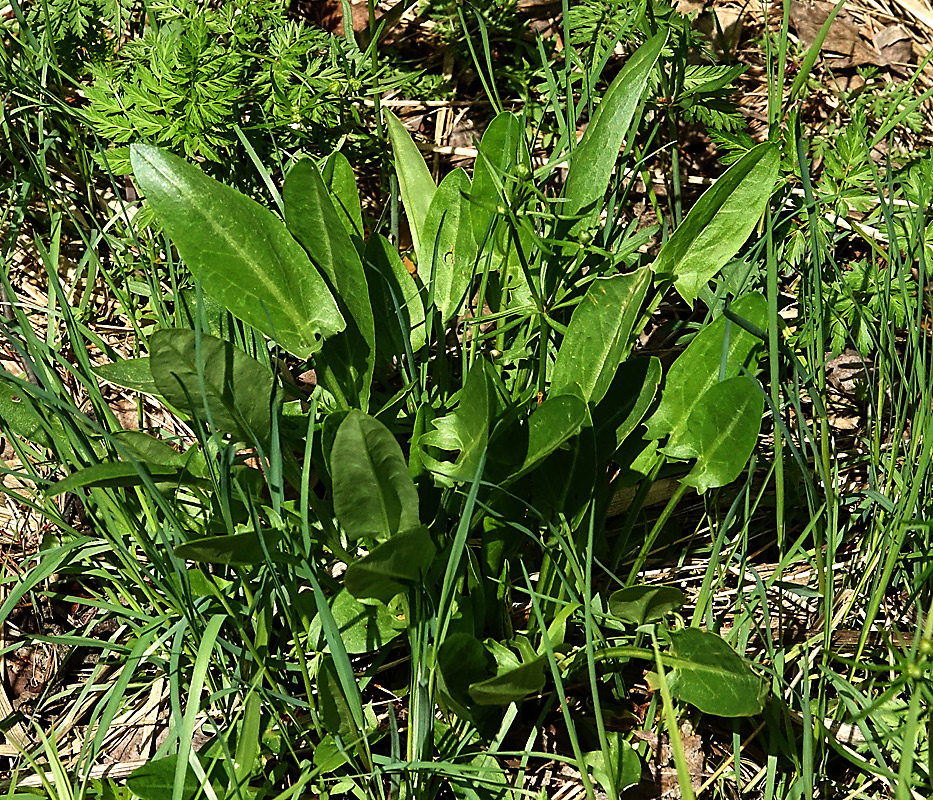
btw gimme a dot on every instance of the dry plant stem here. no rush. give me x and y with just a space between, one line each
729 761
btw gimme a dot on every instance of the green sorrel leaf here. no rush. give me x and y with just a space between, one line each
599 336
718 352
567 479
714 679
341 183
625 404
345 363
391 566
113 473
334 709
19 416
521 447
396 300
594 158
510 685
722 432
242 254
502 150
374 495
467 428
463 661
363 627
155 780
147 449
616 770
720 222
641 604
415 183
237 390
130 373
235 549
448 248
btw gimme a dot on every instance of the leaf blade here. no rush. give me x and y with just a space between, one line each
374 495
415 183
599 336
720 222
592 162
346 360
242 254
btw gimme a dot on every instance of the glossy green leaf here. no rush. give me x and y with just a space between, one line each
721 350
391 567
511 684
333 707
641 604
340 181
618 768
522 447
130 373
720 221
147 449
216 317
237 390
363 627
593 160
242 254
396 300
248 738
155 780
600 335
448 249
466 429
711 676
345 363
415 184
328 756
232 549
722 431
111 474
503 152
566 480
374 495
481 778
18 416
463 661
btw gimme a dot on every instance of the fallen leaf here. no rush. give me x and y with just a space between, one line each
894 43
844 43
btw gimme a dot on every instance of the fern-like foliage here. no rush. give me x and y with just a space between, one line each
705 97
188 81
856 306
79 30
601 24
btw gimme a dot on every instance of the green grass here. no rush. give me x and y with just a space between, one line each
202 591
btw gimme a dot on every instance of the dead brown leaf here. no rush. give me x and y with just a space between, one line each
844 43
894 43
